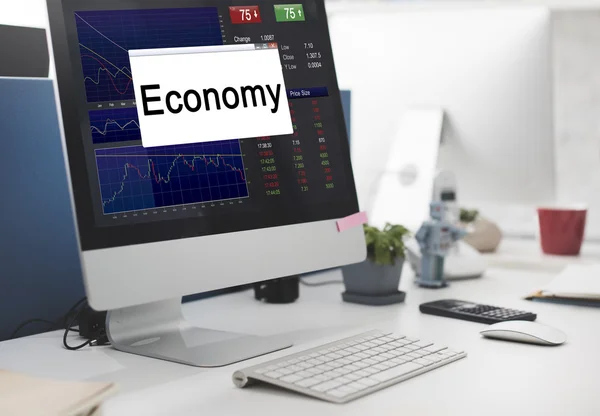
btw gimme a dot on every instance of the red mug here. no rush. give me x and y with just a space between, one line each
562 230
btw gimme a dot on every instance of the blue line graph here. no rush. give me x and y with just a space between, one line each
114 125
106 36
135 178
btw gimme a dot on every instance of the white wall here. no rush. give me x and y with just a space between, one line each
23 13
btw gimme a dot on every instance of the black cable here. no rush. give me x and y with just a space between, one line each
67 328
60 323
31 321
323 283
73 308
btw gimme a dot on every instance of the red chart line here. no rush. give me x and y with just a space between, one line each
112 77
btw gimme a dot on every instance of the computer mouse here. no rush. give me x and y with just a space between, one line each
525 331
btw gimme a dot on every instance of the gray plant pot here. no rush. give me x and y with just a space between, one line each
371 284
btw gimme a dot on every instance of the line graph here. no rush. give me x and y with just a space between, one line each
114 125
135 178
106 36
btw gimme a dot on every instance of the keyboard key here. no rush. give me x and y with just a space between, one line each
272 368
352 350
308 382
387 355
294 368
422 343
343 370
358 386
361 355
304 365
371 370
370 361
397 361
261 370
344 380
292 378
411 347
423 362
328 385
369 382
324 367
340 393
273 374
285 371
332 374
343 361
395 372
362 364
315 370
378 350
314 361
435 348
352 376
304 374
362 373
333 356
380 367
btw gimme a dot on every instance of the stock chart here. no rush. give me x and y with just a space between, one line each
137 178
105 37
114 125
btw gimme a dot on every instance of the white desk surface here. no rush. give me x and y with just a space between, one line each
496 377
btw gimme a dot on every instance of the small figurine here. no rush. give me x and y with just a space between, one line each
436 237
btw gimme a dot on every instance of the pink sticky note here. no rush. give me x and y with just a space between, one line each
352 221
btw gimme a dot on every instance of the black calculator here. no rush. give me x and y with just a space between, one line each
469 311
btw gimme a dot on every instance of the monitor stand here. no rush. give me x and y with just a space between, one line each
159 330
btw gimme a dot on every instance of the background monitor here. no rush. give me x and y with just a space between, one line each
156 224
488 68
24 52
39 258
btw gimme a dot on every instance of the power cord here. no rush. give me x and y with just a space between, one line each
71 322
323 283
95 333
29 322
67 322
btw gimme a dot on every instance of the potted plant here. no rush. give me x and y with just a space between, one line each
375 281
482 234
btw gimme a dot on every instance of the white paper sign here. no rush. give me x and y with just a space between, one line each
209 93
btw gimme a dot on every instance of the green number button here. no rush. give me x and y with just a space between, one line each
289 13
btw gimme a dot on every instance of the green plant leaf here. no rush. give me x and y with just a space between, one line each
385 246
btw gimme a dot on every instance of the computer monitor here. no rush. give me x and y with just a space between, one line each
158 223
487 67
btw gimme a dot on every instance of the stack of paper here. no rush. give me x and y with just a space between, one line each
575 283
22 395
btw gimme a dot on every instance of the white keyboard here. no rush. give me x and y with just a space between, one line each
353 367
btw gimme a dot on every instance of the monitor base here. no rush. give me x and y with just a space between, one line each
158 330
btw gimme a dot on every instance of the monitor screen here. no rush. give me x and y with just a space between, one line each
126 193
